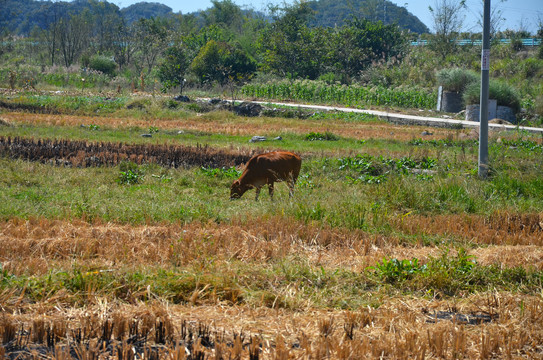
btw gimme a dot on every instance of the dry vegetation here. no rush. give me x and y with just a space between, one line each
95 289
226 123
476 326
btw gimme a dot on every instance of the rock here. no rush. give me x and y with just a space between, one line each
146 135
500 122
180 132
258 139
214 101
4 122
248 109
423 172
182 98
279 138
426 133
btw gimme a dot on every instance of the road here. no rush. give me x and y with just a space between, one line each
410 119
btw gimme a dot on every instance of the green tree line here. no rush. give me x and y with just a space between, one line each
224 44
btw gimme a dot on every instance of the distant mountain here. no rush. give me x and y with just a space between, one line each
19 17
333 13
145 10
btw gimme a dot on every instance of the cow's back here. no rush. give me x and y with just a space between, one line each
275 166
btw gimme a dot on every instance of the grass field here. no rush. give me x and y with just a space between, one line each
392 247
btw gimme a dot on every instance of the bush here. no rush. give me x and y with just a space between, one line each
103 64
504 93
129 174
455 79
316 136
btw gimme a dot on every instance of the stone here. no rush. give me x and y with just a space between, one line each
182 98
258 139
248 109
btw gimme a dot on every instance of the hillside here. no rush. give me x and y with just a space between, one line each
334 13
20 17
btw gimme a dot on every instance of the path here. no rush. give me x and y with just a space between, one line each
411 119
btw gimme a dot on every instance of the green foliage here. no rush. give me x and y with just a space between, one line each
291 48
222 62
229 173
103 64
394 270
371 165
171 71
354 95
504 93
316 136
456 79
130 174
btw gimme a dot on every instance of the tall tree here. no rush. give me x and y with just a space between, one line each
448 16
171 72
150 38
289 46
74 34
223 63
224 13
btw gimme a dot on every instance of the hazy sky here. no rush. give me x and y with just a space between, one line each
517 13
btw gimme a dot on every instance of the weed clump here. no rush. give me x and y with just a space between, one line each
130 173
502 92
455 79
316 136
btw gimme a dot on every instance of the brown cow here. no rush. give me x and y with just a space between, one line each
265 169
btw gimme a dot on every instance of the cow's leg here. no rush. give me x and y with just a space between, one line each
257 192
270 189
290 182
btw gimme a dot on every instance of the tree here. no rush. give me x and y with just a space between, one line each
74 34
448 20
289 46
106 18
150 38
123 47
361 42
171 71
496 19
224 13
223 63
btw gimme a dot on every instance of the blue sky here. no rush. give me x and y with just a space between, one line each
517 13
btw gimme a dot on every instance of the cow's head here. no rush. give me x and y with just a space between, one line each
237 189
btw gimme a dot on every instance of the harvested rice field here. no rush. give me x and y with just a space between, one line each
118 245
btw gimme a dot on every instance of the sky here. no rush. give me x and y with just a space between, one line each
518 14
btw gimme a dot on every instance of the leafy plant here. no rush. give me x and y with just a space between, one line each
130 174
394 270
316 136
103 64
504 93
223 172
455 79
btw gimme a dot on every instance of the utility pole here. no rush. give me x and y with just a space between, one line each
483 116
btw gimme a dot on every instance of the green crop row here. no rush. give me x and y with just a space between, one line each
316 91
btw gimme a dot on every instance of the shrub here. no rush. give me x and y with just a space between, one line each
103 64
455 79
316 136
504 93
129 174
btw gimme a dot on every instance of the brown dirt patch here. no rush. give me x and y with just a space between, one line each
226 123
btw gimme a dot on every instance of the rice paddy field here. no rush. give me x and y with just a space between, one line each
118 238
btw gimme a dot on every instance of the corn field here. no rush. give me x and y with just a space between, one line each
356 96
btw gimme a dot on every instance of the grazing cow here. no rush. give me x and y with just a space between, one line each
266 169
